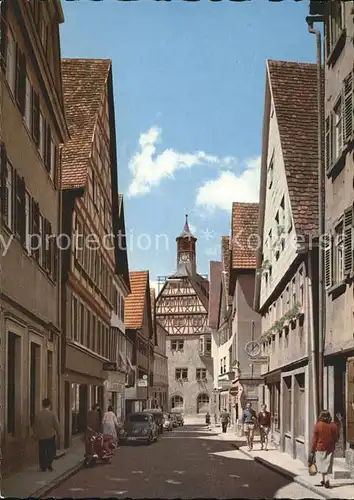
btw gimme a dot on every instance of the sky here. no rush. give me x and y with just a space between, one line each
189 84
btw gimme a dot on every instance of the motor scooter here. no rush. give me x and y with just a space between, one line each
98 448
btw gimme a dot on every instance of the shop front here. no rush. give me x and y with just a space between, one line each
115 393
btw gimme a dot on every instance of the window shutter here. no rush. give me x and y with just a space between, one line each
328 140
22 83
35 117
55 251
3 33
328 260
47 147
347 118
3 177
348 240
17 203
35 225
22 210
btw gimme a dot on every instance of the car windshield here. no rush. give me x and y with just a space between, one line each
139 418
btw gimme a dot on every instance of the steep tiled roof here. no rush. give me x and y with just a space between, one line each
225 259
214 295
294 90
83 83
135 302
244 234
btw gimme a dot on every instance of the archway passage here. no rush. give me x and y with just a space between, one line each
203 403
177 402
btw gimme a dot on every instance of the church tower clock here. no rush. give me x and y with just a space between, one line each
186 256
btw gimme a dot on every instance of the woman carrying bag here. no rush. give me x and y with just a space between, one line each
325 436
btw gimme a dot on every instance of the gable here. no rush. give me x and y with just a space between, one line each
179 297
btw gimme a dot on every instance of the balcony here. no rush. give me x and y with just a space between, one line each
205 353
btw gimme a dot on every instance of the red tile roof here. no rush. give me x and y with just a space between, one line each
135 302
294 89
244 234
84 82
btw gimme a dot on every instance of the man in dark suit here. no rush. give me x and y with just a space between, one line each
46 430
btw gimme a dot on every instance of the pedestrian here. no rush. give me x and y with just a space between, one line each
249 420
264 426
93 418
46 430
325 435
207 421
110 424
225 419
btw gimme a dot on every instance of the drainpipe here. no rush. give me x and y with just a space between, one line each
321 198
313 340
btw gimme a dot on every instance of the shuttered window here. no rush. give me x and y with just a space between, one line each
348 108
328 260
36 242
27 222
3 32
328 152
337 130
20 83
35 117
348 240
28 104
19 207
338 256
4 176
42 135
48 150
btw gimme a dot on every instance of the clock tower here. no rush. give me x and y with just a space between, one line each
186 258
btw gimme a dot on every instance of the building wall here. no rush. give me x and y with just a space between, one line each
29 307
275 192
188 358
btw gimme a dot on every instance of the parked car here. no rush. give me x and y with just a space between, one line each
174 420
168 422
139 427
179 418
158 418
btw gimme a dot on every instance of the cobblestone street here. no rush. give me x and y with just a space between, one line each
186 463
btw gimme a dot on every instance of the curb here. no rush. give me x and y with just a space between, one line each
285 473
44 490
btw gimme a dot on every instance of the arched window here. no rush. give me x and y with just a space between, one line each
203 403
176 402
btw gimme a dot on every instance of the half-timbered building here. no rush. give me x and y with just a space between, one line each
182 310
91 267
32 126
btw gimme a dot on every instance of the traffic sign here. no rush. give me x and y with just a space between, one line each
233 391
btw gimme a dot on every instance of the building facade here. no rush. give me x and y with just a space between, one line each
244 363
159 396
182 310
32 127
339 219
287 278
139 330
89 263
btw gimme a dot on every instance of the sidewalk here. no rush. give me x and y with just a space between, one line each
289 467
31 482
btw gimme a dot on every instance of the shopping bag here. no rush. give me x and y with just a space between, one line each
313 469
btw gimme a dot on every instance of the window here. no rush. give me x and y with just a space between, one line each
201 374
82 324
293 289
201 345
93 344
337 130
122 308
11 61
27 222
28 104
208 346
287 299
181 374
12 384
94 188
177 345
334 26
275 404
44 34
177 402
224 364
339 255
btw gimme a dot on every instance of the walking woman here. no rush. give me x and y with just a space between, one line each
110 423
325 436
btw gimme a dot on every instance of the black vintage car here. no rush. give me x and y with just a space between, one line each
139 427
158 418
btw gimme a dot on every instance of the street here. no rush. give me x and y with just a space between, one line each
189 462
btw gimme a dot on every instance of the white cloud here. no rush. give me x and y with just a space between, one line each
219 193
149 168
